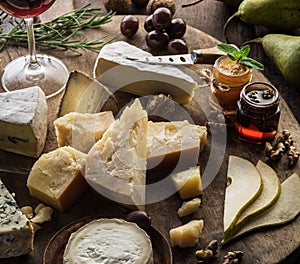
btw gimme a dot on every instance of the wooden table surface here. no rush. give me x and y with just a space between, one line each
209 17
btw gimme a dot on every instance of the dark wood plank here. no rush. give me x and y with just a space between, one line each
261 247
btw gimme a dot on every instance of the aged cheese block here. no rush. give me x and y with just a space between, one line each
83 94
188 182
115 71
16 234
109 241
81 131
56 177
116 164
189 207
23 121
187 235
177 141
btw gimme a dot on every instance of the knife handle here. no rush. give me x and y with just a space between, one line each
208 55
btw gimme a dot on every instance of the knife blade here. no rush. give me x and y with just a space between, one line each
197 56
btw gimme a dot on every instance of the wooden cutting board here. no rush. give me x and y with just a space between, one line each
268 246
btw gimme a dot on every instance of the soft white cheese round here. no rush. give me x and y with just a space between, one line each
109 241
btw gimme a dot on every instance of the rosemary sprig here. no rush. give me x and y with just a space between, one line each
63 32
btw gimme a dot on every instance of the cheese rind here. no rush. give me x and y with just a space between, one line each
56 177
81 131
116 164
109 241
23 121
83 95
16 235
188 182
187 235
114 70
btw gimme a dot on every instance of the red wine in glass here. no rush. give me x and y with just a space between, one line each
45 71
25 8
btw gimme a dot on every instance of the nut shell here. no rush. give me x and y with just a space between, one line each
154 4
120 7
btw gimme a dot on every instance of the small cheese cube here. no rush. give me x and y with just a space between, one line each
56 177
189 207
188 183
187 235
81 131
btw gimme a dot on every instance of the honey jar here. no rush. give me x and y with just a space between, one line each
258 112
229 77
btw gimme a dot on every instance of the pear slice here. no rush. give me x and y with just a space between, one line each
245 186
269 195
283 211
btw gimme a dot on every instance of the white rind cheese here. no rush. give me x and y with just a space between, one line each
116 164
23 121
81 131
83 94
16 234
109 241
113 70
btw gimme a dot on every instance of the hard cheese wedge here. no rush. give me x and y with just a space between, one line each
109 241
56 177
286 208
16 234
23 121
81 131
269 195
118 73
245 186
178 141
83 95
116 164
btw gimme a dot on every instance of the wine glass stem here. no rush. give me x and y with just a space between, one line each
33 64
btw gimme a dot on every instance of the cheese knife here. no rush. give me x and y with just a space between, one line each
203 56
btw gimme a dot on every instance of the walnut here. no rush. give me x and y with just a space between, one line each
117 6
140 2
154 4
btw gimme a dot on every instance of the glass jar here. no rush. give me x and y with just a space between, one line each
229 77
258 112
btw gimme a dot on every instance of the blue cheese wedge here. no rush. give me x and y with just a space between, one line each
109 241
115 71
23 121
16 234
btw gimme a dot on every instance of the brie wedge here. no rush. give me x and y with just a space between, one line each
115 71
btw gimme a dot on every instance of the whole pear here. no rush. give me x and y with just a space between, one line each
279 14
284 51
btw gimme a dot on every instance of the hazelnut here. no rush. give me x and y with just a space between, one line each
117 6
154 4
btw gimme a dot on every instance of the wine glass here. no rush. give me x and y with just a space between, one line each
45 71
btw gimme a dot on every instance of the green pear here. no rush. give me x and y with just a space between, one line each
245 186
279 14
283 211
284 51
269 195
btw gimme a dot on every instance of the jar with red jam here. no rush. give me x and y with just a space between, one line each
229 77
258 113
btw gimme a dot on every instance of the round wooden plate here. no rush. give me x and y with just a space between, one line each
54 251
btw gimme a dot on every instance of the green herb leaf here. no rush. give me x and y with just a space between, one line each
240 55
252 63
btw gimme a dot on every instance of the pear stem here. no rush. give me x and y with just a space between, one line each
225 28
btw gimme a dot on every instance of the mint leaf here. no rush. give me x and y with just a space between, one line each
245 50
252 63
240 55
230 50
